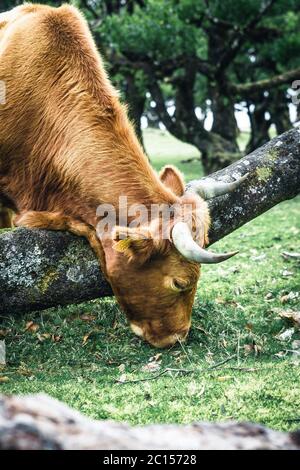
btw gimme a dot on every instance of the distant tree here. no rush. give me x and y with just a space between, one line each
193 57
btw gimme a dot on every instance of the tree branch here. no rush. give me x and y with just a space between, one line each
240 36
248 88
38 422
40 269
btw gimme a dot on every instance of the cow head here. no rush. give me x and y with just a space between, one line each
154 279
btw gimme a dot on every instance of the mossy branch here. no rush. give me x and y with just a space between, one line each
41 269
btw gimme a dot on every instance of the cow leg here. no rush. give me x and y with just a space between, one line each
5 216
59 221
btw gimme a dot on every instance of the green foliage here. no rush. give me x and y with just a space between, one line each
156 31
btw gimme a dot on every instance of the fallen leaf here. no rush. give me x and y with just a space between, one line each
286 335
4 379
280 354
224 378
31 326
290 255
296 344
122 378
4 333
87 317
151 367
155 358
85 339
42 337
269 296
256 348
259 257
291 315
287 297
286 273
56 338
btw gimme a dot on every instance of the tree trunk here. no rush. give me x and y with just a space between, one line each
279 111
38 422
40 269
216 152
259 125
224 123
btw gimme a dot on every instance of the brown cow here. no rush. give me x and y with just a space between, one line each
66 146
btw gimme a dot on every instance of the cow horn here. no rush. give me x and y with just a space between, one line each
187 247
210 188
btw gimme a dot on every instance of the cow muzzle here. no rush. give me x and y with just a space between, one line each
160 341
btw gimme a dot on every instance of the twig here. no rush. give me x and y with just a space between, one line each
183 371
243 369
183 349
238 349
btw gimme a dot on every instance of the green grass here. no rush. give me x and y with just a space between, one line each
78 353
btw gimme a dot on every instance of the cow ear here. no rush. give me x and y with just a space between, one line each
172 178
136 243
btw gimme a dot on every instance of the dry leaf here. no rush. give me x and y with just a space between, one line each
286 273
291 296
259 257
248 348
256 348
290 255
87 317
291 315
286 335
269 297
296 344
151 367
122 378
4 333
4 380
223 378
155 358
31 326
85 339
56 338
280 354
42 337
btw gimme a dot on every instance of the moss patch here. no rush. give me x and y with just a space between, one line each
263 173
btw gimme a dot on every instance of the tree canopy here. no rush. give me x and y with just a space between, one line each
176 60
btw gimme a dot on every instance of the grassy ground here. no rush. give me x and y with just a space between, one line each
79 353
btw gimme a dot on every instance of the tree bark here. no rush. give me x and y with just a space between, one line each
38 422
259 125
41 269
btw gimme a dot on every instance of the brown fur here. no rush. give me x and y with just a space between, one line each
66 146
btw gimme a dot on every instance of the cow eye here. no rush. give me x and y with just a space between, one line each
179 285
